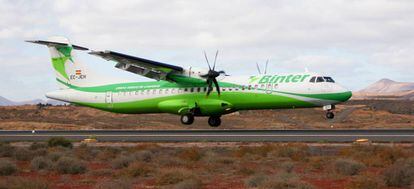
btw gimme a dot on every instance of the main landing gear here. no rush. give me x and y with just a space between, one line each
329 111
188 119
214 121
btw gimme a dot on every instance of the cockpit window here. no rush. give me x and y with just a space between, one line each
329 79
319 79
312 80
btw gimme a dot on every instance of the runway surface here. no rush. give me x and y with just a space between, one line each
327 135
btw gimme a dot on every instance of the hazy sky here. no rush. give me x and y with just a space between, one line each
357 42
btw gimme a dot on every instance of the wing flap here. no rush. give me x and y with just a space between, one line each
153 74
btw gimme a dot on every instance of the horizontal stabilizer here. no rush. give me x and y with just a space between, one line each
51 43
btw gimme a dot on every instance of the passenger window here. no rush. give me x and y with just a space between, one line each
185 89
319 79
329 79
166 91
198 89
250 87
160 91
191 89
312 80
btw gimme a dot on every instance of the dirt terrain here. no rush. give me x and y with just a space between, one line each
353 114
258 165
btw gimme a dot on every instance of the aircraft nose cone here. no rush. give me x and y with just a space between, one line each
346 96
343 94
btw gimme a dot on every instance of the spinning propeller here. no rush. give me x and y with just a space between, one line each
211 75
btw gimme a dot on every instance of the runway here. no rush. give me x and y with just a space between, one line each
325 135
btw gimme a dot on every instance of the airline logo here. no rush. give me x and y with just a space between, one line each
78 72
279 78
60 60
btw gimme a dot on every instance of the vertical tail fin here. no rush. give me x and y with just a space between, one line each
69 71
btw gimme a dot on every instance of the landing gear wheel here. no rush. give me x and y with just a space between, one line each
330 115
187 119
214 121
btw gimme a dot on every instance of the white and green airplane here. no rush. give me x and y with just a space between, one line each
186 92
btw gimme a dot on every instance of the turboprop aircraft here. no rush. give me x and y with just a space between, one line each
187 92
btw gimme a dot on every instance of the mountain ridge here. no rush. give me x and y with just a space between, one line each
387 88
6 102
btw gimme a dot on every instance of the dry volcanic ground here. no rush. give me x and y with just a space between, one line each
61 165
353 114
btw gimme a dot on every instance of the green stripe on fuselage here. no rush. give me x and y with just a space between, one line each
341 97
239 101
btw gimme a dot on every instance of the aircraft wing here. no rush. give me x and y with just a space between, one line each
140 66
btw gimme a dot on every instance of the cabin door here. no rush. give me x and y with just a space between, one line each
109 99
269 88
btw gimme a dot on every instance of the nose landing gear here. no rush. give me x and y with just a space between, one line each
329 111
330 115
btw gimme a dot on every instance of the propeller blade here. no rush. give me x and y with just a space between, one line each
217 86
215 58
205 55
258 68
267 61
205 75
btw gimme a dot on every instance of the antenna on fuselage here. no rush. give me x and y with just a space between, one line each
258 68
265 68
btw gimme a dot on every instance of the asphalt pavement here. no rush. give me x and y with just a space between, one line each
309 135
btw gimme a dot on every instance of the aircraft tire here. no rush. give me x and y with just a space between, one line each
330 115
214 121
187 119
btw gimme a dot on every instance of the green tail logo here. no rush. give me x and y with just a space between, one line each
59 62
